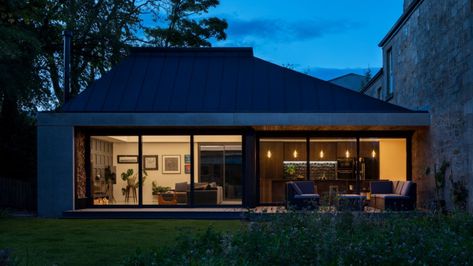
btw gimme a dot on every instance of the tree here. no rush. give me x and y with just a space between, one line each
184 26
31 56
105 29
367 78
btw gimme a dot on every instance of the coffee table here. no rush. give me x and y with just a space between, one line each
351 202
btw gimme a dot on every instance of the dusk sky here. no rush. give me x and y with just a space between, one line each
311 34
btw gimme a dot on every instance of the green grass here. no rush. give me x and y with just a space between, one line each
36 241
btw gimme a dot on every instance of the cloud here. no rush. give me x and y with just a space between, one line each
284 31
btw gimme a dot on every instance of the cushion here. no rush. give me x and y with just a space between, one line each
389 196
399 186
381 187
307 187
307 196
200 186
212 185
181 187
406 188
296 188
351 196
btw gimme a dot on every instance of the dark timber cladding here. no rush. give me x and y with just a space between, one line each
215 80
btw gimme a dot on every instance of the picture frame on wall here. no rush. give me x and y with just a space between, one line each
171 164
187 163
150 162
127 159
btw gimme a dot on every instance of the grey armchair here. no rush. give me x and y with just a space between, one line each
301 194
393 195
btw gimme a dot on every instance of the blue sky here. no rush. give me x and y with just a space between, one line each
323 37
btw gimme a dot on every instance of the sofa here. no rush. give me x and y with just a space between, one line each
301 195
393 195
204 193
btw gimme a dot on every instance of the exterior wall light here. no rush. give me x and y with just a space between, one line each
269 154
295 154
321 154
373 154
347 154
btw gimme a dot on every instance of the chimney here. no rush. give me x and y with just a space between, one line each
67 64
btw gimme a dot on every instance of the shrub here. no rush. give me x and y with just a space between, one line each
311 238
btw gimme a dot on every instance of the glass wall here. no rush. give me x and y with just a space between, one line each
114 170
333 165
166 170
218 170
281 160
382 159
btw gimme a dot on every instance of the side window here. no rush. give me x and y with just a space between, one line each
390 73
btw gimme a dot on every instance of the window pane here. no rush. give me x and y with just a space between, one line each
281 160
332 165
383 159
166 170
218 170
114 170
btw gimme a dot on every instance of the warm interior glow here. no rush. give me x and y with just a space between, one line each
269 154
347 154
321 154
373 154
295 154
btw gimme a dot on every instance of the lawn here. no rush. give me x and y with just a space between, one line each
93 242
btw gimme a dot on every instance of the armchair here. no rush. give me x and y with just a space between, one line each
301 194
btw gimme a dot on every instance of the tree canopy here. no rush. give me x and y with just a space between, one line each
31 54
103 30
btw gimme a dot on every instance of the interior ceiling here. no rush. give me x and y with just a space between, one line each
170 139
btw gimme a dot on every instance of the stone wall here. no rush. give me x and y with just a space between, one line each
433 71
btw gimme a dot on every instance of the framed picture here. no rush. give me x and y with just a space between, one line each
127 158
187 168
150 162
187 158
171 164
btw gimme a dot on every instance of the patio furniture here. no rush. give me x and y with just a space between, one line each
301 194
393 195
351 202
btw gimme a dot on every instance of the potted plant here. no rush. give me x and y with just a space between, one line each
157 190
290 171
131 179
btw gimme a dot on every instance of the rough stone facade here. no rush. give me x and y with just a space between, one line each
433 71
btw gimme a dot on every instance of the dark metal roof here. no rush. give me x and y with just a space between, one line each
215 80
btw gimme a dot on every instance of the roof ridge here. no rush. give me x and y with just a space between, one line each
195 51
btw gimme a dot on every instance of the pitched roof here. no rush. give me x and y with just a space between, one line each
215 80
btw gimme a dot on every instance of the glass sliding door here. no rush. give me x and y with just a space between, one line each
114 170
166 170
218 170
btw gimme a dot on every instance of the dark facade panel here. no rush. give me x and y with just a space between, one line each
215 80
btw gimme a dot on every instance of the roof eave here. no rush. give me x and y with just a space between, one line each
233 119
400 22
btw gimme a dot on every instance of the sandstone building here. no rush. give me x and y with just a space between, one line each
428 66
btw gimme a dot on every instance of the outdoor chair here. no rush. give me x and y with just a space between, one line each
394 196
301 195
